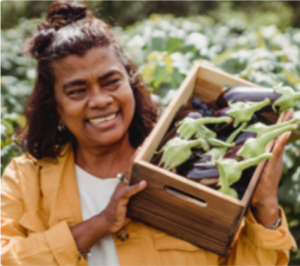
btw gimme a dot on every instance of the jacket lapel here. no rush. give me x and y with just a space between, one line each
59 187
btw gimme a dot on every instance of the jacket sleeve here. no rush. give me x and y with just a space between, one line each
257 245
54 246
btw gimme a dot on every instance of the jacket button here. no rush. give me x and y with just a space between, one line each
122 235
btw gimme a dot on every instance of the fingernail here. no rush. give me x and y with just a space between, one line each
143 182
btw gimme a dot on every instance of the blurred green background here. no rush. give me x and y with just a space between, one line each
256 40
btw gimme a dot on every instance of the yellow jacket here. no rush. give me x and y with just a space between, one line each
40 201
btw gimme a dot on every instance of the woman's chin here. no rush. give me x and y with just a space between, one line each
108 138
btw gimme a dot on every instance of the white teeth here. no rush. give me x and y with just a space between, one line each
97 121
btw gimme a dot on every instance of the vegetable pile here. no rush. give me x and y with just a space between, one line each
220 147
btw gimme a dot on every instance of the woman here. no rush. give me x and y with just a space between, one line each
87 116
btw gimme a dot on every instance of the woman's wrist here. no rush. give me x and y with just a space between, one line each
266 213
87 233
103 227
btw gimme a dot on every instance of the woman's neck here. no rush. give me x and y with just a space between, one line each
105 161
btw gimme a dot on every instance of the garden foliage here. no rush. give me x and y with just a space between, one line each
164 48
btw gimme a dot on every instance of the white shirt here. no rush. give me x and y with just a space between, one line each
95 194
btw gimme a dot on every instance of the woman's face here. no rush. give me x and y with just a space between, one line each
94 97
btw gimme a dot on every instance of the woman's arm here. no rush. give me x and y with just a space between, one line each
109 221
25 241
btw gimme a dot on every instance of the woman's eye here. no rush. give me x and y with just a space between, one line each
111 82
76 92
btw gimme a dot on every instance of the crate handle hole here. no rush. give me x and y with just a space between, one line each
185 196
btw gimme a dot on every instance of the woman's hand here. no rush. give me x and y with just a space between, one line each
264 200
114 214
111 219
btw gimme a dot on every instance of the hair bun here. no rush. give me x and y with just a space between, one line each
62 13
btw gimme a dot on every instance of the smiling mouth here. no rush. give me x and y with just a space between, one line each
97 121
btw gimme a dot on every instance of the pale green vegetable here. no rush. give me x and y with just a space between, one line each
230 172
217 153
189 126
177 151
211 137
261 129
243 111
288 98
256 146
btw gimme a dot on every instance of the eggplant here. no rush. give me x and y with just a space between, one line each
242 184
256 146
195 114
173 132
241 94
232 153
243 137
217 153
225 129
190 113
243 111
259 129
203 173
231 171
253 141
281 98
177 151
205 158
194 127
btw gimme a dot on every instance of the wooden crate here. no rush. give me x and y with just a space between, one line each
176 205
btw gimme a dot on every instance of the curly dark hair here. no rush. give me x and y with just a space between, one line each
59 36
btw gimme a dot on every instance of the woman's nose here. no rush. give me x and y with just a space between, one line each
99 98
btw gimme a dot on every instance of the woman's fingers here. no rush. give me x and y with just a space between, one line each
125 191
133 189
280 144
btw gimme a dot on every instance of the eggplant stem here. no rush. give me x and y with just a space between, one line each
278 126
265 139
212 120
253 161
232 137
260 105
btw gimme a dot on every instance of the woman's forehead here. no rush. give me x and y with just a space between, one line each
100 60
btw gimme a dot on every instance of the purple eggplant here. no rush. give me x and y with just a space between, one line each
240 94
187 113
217 153
225 129
281 98
242 184
232 153
259 129
203 173
243 137
191 113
